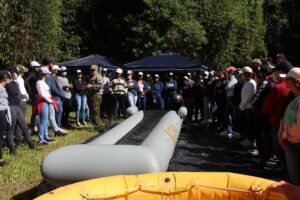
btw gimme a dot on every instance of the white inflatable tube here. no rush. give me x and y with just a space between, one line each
106 155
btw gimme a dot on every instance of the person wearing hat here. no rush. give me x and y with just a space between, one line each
94 93
66 86
80 97
42 106
107 100
17 116
5 115
256 65
262 123
58 92
24 95
187 98
30 82
248 91
289 133
274 106
170 90
157 88
143 91
132 89
228 111
118 89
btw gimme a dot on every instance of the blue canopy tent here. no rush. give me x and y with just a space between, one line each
94 59
164 62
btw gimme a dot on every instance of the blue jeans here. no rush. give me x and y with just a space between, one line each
81 107
170 101
43 129
159 99
132 99
58 114
142 102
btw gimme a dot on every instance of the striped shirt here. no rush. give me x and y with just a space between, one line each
118 86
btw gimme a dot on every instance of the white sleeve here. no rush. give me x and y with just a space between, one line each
247 94
22 88
42 91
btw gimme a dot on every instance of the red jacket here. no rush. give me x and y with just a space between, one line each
38 105
276 102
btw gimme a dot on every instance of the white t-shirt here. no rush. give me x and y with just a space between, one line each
248 91
43 90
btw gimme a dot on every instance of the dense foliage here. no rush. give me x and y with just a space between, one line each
214 32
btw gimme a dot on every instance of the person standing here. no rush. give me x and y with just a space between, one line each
17 116
144 89
170 89
55 91
157 89
119 91
80 96
274 106
24 98
132 89
187 99
107 100
289 133
94 90
30 82
248 91
198 98
41 107
5 115
67 103
228 112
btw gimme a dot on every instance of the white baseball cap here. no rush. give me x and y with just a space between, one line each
119 71
293 73
78 71
45 70
63 68
129 72
55 67
141 73
171 74
104 69
247 69
34 64
156 75
186 78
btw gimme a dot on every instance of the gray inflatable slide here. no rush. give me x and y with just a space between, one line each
143 143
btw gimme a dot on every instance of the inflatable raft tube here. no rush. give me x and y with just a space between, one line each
143 143
169 185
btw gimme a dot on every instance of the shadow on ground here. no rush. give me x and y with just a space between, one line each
200 149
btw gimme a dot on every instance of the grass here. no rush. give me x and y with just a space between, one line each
22 173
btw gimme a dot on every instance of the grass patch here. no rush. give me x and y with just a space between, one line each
22 173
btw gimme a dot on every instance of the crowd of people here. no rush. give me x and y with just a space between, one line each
259 102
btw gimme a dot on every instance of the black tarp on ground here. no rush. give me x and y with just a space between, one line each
94 59
164 62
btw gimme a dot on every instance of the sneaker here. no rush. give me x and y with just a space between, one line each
229 135
63 130
59 133
50 140
246 143
78 124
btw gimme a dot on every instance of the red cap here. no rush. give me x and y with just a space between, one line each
231 69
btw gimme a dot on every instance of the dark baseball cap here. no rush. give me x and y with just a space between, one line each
4 74
14 69
284 66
